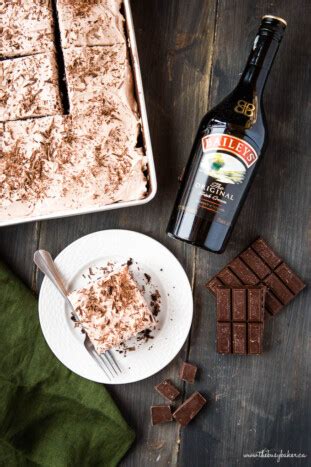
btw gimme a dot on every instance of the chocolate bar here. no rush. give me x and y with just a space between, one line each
260 265
167 390
160 414
189 409
187 372
240 319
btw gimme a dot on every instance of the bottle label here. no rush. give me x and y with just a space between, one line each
232 145
220 176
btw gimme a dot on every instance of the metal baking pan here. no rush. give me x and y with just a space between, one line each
150 172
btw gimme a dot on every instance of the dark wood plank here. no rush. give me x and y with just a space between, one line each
175 51
17 245
261 402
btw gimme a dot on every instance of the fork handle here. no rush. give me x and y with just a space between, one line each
45 263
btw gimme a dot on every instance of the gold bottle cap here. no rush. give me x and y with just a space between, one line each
277 18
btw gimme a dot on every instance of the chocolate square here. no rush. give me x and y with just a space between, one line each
167 390
266 253
255 332
223 304
187 372
238 305
254 262
239 338
189 409
260 265
255 304
223 336
289 278
160 414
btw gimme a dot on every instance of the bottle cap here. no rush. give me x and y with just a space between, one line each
275 18
273 25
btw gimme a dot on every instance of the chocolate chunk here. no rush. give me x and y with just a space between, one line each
160 414
260 265
224 338
272 304
292 281
228 278
266 253
187 372
223 297
240 324
189 409
238 305
255 304
243 272
254 262
279 289
167 390
255 331
213 284
239 338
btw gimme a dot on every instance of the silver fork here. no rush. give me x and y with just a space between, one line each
106 360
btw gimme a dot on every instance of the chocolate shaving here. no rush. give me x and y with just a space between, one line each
148 278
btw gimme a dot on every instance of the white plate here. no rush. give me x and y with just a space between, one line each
151 258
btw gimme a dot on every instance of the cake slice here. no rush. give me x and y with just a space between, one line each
112 309
90 23
29 87
27 27
95 75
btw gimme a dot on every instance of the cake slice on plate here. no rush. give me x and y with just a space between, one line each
112 309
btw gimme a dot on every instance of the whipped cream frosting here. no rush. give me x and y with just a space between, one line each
58 164
90 23
112 309
63 163
95 73
29 87
26 27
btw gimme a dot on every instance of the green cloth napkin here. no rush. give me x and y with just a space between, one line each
48 415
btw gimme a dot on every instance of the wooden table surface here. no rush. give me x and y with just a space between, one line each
192 53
